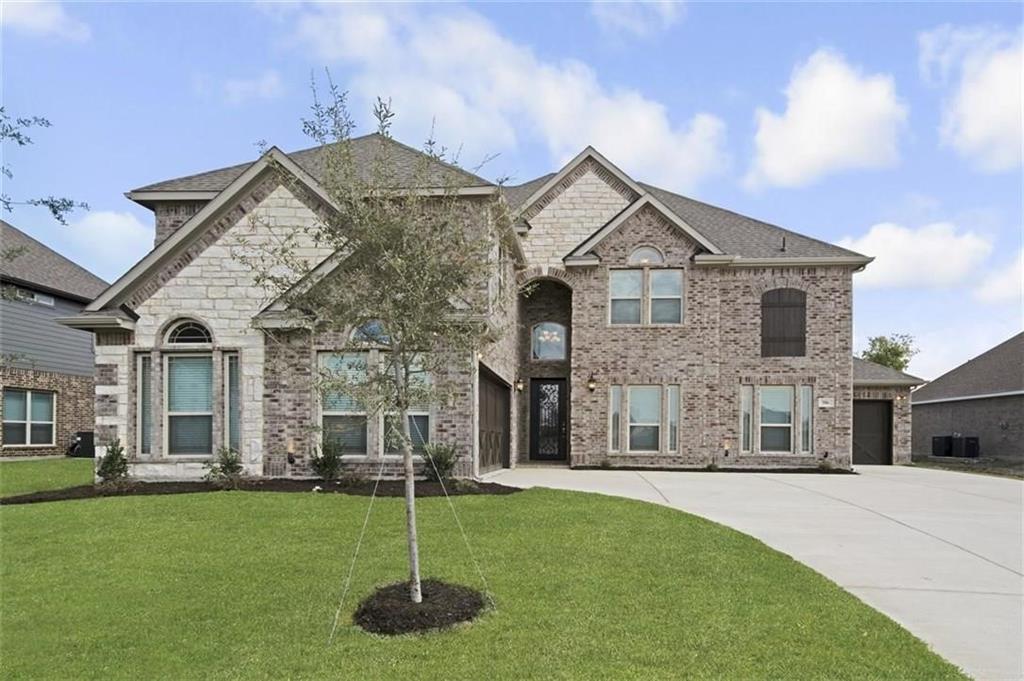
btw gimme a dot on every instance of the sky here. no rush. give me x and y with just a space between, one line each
891 129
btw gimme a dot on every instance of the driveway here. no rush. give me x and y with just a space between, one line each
937 551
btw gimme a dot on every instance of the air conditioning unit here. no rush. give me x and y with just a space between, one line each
942 445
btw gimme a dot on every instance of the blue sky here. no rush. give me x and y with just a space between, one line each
894 129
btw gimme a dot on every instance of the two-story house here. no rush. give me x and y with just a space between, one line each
46 381
648 330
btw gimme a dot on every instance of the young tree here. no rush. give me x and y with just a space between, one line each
413 274
893 351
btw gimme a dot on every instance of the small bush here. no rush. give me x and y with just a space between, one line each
712 467
113 466
441 459
327 462
226 468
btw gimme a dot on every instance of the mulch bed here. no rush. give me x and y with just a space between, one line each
389 610
386 488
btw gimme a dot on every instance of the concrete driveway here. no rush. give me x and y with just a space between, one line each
939 552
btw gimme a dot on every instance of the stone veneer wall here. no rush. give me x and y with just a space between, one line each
901 423
74 405
714 351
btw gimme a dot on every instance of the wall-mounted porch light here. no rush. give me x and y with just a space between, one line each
726 446
592 382
519 384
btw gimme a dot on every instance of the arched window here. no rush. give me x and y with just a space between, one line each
646 255
188 331
548 341
371 332
784 323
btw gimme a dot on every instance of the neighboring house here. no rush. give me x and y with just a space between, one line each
648 330
46 370
982 398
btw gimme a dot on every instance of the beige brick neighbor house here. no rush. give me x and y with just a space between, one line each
647 330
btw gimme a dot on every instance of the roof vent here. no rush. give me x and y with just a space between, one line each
783 244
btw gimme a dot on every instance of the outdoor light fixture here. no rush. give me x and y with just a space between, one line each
291 452
592 382
519 384
726 445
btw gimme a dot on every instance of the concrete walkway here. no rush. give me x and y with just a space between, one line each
939 552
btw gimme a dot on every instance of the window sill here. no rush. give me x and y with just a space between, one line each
680 325
31 446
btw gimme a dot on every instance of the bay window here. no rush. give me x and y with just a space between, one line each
28 417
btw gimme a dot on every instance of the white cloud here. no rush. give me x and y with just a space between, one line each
241 90
836 118
108 243
936 255
43 19
983 118
488 92
1005 284
636 18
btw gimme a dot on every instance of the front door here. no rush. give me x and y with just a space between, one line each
872 432
548 399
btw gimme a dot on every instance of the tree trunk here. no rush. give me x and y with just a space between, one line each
402 381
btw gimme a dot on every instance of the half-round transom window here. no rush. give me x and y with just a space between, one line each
189 331
548 341
371 332
646 255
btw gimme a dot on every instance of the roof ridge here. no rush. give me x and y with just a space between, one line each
647 186
56 253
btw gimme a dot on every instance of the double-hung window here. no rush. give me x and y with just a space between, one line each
344 419
626 290
776 418
419 419
28 417
666 296
645 418
189 404
647 295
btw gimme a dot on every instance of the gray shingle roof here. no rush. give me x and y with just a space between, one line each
870 373
39 265
999 370
311 160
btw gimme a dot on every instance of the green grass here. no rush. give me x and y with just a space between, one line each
234 585
21 477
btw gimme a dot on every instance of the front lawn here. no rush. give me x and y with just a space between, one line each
232 585
22 477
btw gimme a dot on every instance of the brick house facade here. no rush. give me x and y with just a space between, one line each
683 380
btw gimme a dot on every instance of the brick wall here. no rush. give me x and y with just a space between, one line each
170 215
997 421
74 398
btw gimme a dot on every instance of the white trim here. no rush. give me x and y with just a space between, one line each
894 382
96 322
739 261
982 396
590 153
792 417
581 260
616 222
170 195
166 356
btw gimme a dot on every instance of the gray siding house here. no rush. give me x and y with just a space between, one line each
46 369
648 329
981 398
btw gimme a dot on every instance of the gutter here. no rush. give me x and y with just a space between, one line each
982 396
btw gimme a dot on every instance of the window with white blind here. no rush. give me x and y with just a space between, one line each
232 402
644 418
28 417
344 422
776 418
188 399
419 418
144 404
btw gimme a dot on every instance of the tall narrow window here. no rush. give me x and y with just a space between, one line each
644 418
233 401
806 416
28 417
344 419
144 396
666 296
419 418
746 418
615 418
625 288
548 342
776 418
189 404
784 323
673 418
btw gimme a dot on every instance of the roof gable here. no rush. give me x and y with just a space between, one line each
999 370
866 373
588 159
40 266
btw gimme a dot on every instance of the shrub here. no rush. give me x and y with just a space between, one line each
226 468
327 462
441 459
713 466
113 466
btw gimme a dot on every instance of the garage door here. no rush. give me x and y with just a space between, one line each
872 432
494 422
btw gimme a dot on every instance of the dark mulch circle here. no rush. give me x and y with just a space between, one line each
386 488
389 610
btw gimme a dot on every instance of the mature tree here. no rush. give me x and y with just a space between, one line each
15 131
413 274
893 351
